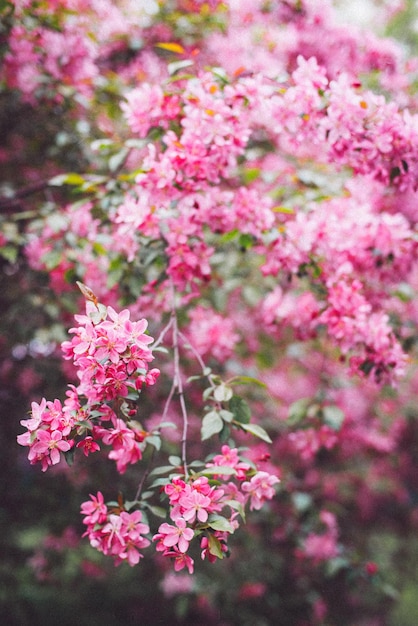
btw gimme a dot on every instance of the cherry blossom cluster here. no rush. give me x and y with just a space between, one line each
196 510
112 356
53 51
115 532
258 190
111 353
196 507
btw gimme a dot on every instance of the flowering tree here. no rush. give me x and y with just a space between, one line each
223 194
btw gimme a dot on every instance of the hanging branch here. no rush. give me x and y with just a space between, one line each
13 203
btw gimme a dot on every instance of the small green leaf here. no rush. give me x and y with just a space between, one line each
257 431
191 379
167 425
283 209
9 253
69 456
334 566
155 441
222 393
239 407
246 241
174 460
101 144
225 433
246 380
52 259
158 511
159 482
207 393
212 423
297 410
222 470
164 469
67 179
250 174
222 524
302 501
227 237
118 159
333 417
174 67
214 546
227 416
237 506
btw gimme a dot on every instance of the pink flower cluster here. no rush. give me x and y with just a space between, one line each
322 547
115 532
49 432
353 252
112 357
111 354
211 334
196 506
309 441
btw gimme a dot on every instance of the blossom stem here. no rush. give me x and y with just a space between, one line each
163 333
179 385
196 354
144 476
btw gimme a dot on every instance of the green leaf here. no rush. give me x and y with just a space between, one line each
250 174
297 410
220 523
167 425
211 425
174 460
101 144
67 179
225 433
237 506
52 259
227 237
333 417
334 566
69 456
158 511
222 393
214 546
207 393
118 159
227 416
155 441
164 469
246 241
159 482
175 66
246 380
222 470
302 501
9 253
257 431
239 407
283 209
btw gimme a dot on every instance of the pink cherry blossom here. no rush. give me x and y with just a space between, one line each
260 488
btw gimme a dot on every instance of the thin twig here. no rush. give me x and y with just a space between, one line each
179 385
163 333
199 359
144 476
13 202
